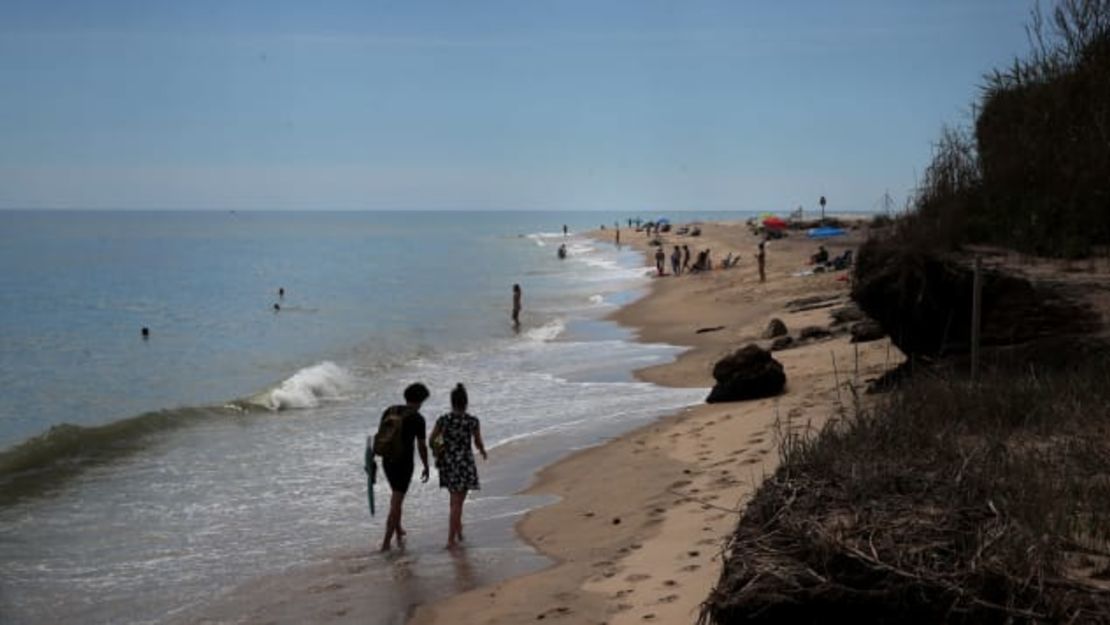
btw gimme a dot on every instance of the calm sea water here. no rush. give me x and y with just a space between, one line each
141 478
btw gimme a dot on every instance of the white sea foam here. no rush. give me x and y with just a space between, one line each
547 332
597 299
308 387
539 237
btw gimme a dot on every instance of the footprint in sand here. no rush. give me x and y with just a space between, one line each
751 461
680 483
707 541
637 577
690 568
755 440
621 607
621 594
669 599
648 617
670 583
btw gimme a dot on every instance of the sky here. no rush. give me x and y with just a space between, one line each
524 104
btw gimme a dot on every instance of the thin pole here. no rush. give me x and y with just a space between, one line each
976 315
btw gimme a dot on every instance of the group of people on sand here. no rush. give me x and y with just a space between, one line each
680 260
402 432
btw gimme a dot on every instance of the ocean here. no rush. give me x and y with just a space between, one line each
142 479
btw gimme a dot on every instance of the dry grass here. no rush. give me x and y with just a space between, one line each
945 502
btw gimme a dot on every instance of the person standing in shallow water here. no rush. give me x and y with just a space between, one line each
452 440
401 428
516 305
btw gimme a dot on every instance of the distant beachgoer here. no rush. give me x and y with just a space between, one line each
659 258
562 253
685 258
146 332
281 292
821 257
277 307
452 438
761 258
564 230
618 237
401 429
516 305
676 260
699 263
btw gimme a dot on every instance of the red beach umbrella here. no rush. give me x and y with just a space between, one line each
774 223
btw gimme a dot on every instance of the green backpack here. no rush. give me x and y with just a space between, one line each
389 442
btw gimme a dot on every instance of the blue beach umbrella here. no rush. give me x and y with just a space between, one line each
662 220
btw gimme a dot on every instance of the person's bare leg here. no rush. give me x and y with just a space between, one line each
455 521
393 521
459 523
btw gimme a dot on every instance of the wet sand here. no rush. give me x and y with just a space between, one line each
640 522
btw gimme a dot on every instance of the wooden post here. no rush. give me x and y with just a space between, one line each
976 315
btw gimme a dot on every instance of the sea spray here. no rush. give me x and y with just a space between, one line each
308 387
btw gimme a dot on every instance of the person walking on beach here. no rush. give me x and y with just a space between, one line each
660 257
618 237
761 259
401 428
685 258
452 437
676 261
516 306
564 230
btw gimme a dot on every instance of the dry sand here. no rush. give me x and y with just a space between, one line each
638 531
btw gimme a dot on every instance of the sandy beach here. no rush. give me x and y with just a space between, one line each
640 524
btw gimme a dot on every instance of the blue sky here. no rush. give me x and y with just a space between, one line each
559 104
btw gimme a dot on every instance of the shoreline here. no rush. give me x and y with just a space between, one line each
644 543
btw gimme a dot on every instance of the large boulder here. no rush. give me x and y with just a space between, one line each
747 373
775 328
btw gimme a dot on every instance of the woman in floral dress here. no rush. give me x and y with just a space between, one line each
451 438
